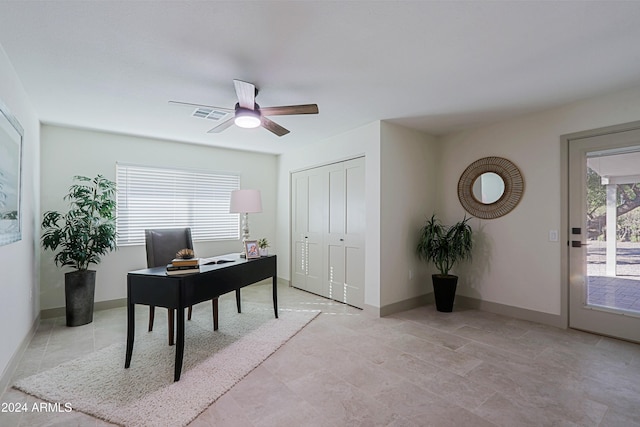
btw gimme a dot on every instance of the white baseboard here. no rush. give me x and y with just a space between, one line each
462 301
100 305
510 311
5 379
399 306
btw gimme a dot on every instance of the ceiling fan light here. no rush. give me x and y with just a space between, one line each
247 119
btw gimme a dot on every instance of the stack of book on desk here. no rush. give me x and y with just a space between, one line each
183 266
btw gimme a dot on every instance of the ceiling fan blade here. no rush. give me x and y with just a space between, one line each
273 127
290 110
191 105
246 93
226 123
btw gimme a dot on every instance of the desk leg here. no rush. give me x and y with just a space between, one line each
275 295
238 300
179 343
131 322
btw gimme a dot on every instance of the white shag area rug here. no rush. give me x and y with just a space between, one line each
145 394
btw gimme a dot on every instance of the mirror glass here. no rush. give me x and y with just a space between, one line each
488 188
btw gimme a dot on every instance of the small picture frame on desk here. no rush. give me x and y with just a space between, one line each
251 249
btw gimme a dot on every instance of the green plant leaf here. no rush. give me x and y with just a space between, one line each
87 231
445 246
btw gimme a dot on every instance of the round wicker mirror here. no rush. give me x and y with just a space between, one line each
492 179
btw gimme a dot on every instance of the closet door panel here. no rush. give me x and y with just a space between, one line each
308 217
299 226
315 230
334 248
354 237
315 202
354 199
300 183
314 281
299 266
354 276
336 200
336 271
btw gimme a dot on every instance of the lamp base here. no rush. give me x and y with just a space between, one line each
245 234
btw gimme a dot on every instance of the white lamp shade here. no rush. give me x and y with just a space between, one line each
245 201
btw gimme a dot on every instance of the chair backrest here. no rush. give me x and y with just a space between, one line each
163 244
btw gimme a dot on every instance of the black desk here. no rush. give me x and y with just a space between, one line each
152 286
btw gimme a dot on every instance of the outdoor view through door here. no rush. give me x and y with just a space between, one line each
613 229
604 231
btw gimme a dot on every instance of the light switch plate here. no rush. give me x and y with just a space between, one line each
553 235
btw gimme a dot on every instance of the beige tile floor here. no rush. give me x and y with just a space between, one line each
416 368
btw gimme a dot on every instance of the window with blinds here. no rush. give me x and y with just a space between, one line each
151 197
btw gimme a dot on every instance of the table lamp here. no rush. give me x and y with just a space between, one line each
245 202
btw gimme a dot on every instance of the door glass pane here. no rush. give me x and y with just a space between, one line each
613 230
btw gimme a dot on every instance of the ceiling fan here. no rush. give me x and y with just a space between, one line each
247 114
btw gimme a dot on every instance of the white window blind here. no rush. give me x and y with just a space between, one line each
151 197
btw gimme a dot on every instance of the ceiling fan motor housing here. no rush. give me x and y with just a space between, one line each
247 118
256 107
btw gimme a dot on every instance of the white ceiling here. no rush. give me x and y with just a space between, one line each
434 66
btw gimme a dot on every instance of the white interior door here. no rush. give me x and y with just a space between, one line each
335 267
345 232
307 217
604 234
354 235
315 231
328 229
299 226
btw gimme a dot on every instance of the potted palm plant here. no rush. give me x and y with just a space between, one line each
80 237
444 247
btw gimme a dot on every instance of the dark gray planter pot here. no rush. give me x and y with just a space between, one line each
79 291
444 291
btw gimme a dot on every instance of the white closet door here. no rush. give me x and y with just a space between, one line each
308 189
345 233
299 227
328 226
335 267
315 230
354 232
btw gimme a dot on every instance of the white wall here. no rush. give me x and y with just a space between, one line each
365 141
514 263
409 171
67 152
19 306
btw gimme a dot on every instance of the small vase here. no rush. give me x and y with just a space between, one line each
263 251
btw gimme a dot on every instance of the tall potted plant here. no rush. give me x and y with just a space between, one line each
444 247
81 236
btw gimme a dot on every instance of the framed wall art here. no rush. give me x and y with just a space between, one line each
11 135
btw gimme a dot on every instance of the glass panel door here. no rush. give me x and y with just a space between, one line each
604 235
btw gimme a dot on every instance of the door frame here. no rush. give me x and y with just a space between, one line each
564 197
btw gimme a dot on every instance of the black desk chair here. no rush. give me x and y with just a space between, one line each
162 246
